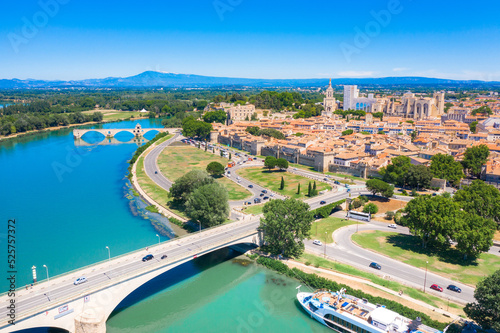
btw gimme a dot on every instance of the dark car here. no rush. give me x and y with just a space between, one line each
148 257
322 202
250 186
156 172
256 200
436 287
262 194
454 288
265 198
336 182
164 256
375 265
264 191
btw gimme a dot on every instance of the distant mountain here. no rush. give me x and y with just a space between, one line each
151 79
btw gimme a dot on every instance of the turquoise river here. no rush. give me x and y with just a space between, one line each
70 202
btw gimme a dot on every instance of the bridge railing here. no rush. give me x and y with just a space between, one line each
154 246
179 259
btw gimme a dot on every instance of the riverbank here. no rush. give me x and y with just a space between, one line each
55 128
147 198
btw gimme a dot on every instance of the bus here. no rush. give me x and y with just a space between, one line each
359 215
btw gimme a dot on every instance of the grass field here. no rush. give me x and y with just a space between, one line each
347 178
118 115
317 261
272 181
254 209
178 159
448 263
325 227
155 192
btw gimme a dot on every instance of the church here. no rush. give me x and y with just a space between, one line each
329 102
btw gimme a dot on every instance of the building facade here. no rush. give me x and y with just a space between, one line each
329 102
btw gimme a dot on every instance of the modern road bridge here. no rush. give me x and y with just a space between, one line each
86 307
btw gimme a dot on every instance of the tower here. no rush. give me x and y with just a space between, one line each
351 93
329 102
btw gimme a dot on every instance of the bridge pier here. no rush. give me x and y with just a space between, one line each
90 321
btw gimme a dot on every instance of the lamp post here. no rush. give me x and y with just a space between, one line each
325 243
200 225
425 278
47 270
109 253
158 238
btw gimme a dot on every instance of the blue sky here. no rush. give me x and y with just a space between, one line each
79 39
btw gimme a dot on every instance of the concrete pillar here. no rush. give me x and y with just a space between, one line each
90 321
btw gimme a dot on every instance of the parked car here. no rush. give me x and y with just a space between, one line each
454 288
156 172
375 265
393 226
317 242
250 186
436 287
256 200
248 203
262 194
148 257
325 179
264 191
336 182
265 198
80 280
322 202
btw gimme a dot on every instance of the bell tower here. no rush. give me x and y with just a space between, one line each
329 102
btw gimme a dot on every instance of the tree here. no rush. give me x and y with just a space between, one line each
185 185
481 199
483 109
472 126
379 186
298 189
229 156
445 167
475 235
286 223
395 172
418 176
193 127
475 158
486 309
208 204
282 185
433 219
215 117
389 215
347 132
309 190
270 162
370 208
282 164
254 130
215 169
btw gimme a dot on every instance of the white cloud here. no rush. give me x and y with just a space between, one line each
400 69
357 73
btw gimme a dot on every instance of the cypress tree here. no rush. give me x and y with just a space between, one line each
298 189
314 191
282 186
229 156
309 190
206 146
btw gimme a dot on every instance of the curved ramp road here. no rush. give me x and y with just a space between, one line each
344 250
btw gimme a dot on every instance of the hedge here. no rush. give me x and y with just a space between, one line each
326 210
318 282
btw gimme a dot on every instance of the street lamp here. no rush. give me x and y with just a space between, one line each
109 253
325 243
425 279
158 238
200 225
47 270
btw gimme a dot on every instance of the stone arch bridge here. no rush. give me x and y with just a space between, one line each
137 131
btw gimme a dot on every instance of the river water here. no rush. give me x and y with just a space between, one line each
70 202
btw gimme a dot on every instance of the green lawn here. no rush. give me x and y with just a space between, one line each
348 178
272 181
112 115
448 263
326 227
254 209
155 192
178 159
317 261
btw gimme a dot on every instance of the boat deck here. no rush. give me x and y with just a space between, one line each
342 304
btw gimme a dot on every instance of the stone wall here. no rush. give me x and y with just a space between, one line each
306 160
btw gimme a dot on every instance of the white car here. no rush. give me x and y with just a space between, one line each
393 226
317 242
80 280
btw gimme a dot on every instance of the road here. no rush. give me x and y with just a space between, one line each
175 249
344 250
